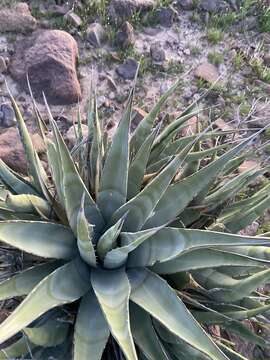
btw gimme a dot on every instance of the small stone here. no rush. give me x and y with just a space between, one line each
3 65
73 19
8 118
101 101
207 72
111 95
95 34
266 59
137 116
2 79
125 37
186 51
186 4
128 69
260 118
157 52
164 16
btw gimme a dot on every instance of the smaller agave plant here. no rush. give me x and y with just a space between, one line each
132 246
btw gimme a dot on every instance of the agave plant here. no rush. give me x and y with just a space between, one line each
132 244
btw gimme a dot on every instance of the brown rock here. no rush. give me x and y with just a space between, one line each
12 152
73 19
207 72
125 37
49 58
17 19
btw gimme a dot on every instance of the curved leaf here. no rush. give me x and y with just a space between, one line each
74 188
112 289
137 168
28 203
91 329
65 285
141 207
118 256
84 238
52 333
114 176
43 239
24 282
18 349
109 239
13 182
35 167
180 194
169 243
203 259
154 295
145 335
241 288
144 128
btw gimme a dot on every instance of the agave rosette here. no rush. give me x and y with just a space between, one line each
128 263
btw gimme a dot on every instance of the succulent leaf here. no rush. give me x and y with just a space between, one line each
112 289
54 290
91 329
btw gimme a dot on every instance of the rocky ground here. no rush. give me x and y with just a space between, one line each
62 46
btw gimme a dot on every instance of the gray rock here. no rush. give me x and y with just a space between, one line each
164 16
186 4
2 79
3 65
121 10
8 116
128 69
125 36
157 52
73 19
213 6
17 19
95 34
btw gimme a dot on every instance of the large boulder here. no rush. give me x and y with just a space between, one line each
17 19
11 149
120 10
49 58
